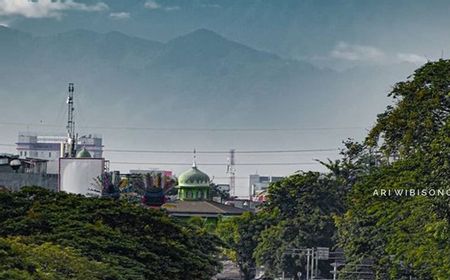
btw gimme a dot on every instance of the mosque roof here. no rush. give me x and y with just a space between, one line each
84 154
201 208
193 178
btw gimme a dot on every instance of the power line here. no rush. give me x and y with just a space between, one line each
194 129
211 151
247 129
240 177
7 145
221 152
215 164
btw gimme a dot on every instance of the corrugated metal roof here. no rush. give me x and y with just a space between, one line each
199 208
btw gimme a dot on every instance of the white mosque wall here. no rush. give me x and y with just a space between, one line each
78 175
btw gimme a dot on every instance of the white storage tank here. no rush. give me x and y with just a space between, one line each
78 175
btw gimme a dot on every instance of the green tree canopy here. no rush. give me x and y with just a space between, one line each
135 242
241 235
306 203
406 235
19 260
422 108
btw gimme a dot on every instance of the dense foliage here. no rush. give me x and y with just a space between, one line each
241 235
119 240
299 213
306 203
422 108
19 260
386 202
407 236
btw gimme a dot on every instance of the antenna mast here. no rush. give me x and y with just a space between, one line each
231 171
71 137
70 122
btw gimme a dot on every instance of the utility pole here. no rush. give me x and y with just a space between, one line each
317 262
335 270
308 251
313 255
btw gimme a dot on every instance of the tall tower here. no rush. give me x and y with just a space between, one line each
231 171
70 122
70 145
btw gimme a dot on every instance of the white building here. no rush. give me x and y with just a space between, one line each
258 183
47 147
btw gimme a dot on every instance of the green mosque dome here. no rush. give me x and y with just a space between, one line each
193 177
84 154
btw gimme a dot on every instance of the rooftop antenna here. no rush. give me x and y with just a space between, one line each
70 122
71 137
231 171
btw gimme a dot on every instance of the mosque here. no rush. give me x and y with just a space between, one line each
194 198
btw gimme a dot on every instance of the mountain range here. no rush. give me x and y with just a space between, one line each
202 74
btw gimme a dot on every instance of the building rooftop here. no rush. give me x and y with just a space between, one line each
193 178
201 208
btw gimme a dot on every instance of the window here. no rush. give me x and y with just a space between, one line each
49 154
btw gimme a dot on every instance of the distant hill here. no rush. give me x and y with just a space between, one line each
201 68
202 74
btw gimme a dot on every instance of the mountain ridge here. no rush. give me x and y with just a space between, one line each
200 73
202 33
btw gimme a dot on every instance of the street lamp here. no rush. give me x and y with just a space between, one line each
15 164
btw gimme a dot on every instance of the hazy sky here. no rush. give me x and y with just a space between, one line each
366 37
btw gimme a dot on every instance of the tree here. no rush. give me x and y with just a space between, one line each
240 234
306 203
19 260
135 242
403 235
422 108
406 235
216 191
